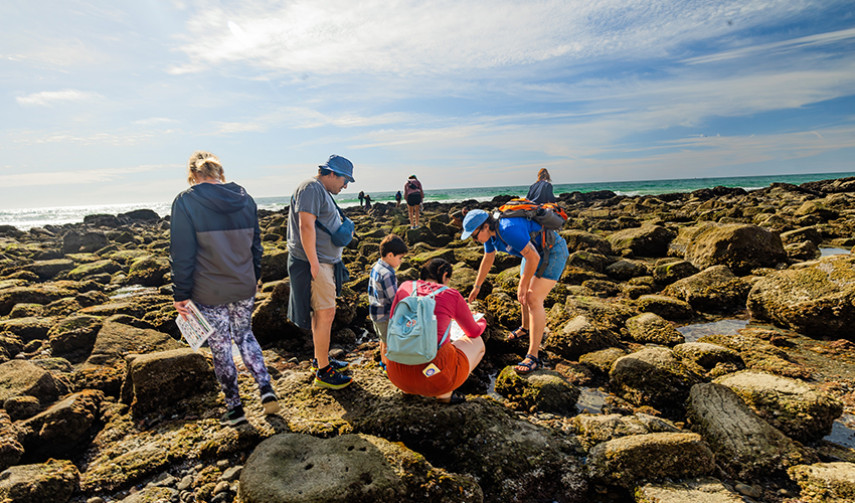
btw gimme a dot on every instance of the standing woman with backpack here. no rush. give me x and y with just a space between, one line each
539 271
454 360
414 194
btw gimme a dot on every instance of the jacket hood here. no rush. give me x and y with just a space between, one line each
220 197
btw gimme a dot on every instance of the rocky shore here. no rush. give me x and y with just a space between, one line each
102 401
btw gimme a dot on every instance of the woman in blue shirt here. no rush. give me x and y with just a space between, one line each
539 271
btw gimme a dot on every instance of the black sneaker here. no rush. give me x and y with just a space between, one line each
335 364
331 378
233 417
269 400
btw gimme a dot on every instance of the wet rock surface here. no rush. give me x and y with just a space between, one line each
101 401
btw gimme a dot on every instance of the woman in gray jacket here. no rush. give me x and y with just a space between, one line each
215 253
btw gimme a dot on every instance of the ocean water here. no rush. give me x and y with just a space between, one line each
25 219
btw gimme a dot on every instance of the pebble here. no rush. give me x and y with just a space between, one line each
231 474
163 480
223 463
222 487
185 483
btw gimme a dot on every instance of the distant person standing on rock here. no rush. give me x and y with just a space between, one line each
398 198
367 202
414 194
361 196
215 254
541 190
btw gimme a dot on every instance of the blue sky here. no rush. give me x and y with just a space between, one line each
103 102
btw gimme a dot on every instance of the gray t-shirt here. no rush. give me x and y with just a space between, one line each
311 197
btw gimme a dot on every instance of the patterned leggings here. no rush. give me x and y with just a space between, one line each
233 322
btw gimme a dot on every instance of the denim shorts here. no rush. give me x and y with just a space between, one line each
557 260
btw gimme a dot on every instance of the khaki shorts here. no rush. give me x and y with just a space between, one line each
380 328
323 288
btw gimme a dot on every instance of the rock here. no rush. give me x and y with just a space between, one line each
745 445
805 250
47 269
802 234
90 269
650 328
148 271
645 241
274 265
20 377
601 361
141 215
666 307
581 240
708 360
27 329
22 407
714 289
700 490
792 406
62 428
596 428
301 468
542 390
626 460
817 299
670 270
54 481
41 294
160 380
825 482
505 310
652 376
577 337
625 269
741 247
86 242
74 335
152 495
11 451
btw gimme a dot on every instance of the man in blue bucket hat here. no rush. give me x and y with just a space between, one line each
317 233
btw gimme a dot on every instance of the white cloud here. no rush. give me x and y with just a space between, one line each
78 177
49 98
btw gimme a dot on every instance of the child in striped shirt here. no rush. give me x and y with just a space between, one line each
382 285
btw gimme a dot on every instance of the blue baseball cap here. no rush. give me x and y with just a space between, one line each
473 220
340 166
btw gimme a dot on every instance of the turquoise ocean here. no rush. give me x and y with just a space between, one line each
38 217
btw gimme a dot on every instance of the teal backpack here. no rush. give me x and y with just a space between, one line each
411 336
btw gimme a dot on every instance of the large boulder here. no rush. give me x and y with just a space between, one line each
745 445
160 380
708 360
20 377
62 428
74 335
626 460
593 429
54 481
741 247
579 336
667 307
653 376
83 242
645 241
27 329
817 299
47 269
40 294
543 390
790 405
715 289
299 468
148 271
825 482
699 490
650 328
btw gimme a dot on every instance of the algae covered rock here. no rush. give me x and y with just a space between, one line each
148 271
741 247
579 336
20 377
542 390
667 307
653 376
790 405
697 490
708 360
61 429
650 328
27 329
300 468
745 445
645 241
626 460
817 299
596 428
74 335
54 481
160 380
825 482
715 289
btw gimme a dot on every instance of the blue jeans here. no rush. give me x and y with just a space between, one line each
557 260
233 322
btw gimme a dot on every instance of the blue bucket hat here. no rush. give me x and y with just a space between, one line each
340 166
473 220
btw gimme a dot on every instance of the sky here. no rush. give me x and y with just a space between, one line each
104 101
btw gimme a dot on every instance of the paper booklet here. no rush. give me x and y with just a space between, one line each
456 332
195 328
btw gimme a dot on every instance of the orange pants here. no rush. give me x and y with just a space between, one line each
453 371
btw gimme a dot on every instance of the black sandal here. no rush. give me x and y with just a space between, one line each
529 367
518 334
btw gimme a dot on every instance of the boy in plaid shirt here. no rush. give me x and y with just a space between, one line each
382 285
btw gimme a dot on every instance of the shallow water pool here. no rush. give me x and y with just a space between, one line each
591 400
723 327
827 252
843 431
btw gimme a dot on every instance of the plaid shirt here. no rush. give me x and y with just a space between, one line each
382 285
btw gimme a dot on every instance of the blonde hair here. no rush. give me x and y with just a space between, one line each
204 165
543 174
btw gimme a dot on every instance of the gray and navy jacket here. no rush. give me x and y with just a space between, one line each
215 244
